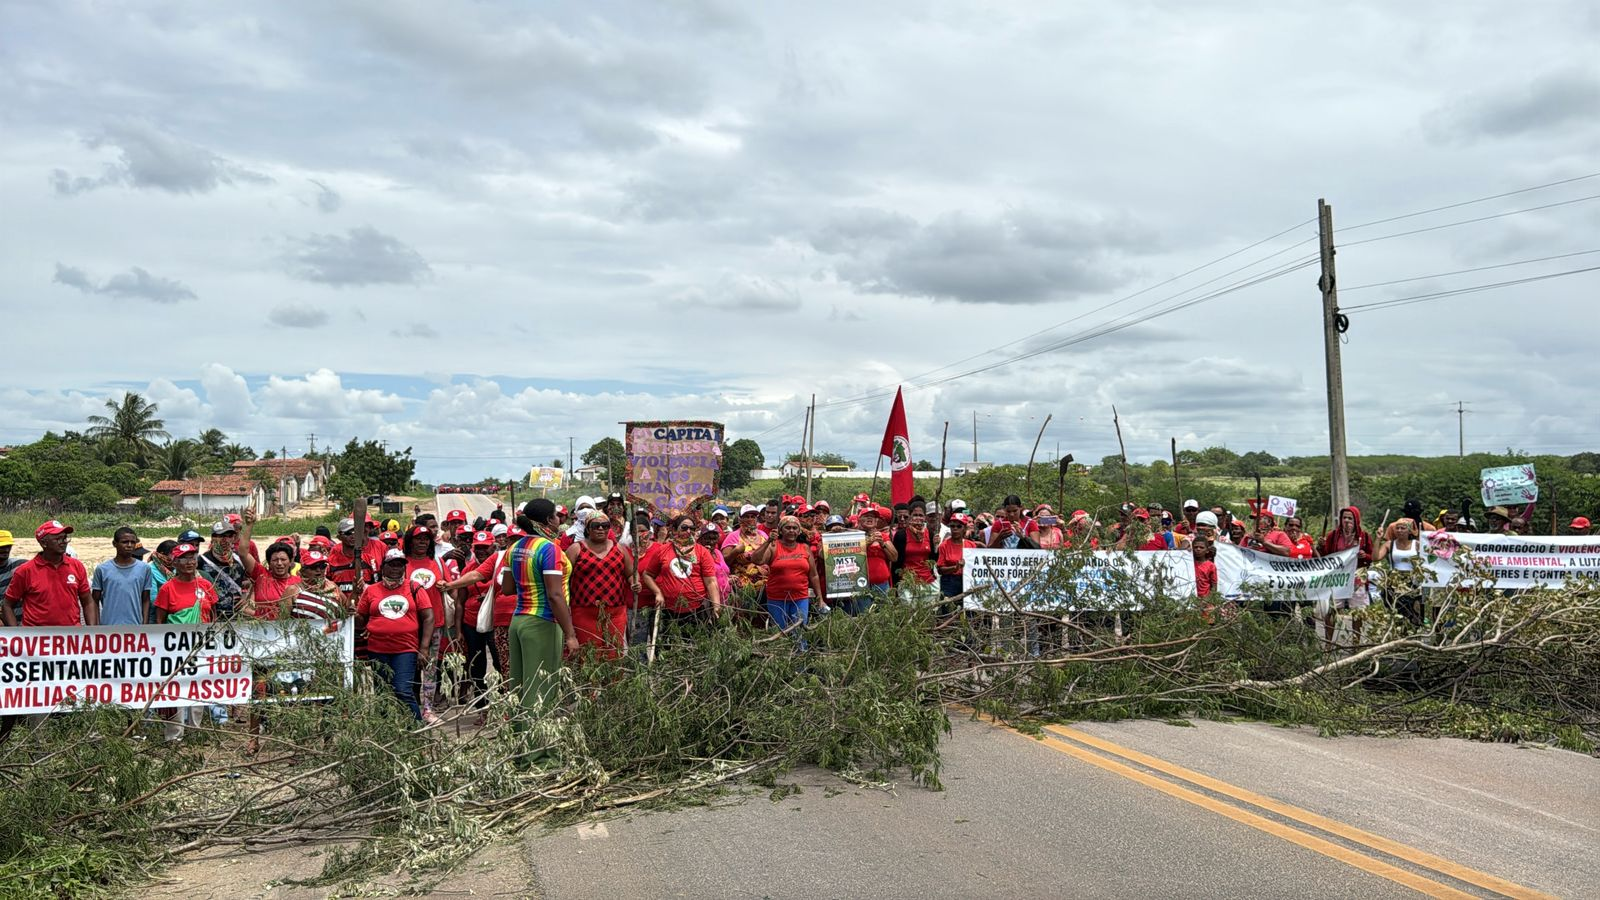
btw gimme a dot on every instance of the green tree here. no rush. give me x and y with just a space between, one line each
131 429
19 481
178 460
608 452
826 458
61 481
345 489
97 497
923 466
381 471
739 459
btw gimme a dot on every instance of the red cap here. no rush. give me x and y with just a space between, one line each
560 510
1140 512
514 531
184 550
312 558
823 504
51 527
319 541
388 536
959 519
233 518
1580 522
863 498
484 538
456 515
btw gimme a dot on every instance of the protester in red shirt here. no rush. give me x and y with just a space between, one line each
681 575
398 620
423 572
952 561
601 588
1300 544
1347 534
914 546
1191 509
353 569
1205 568
53 588
185 598
881 557
1268 539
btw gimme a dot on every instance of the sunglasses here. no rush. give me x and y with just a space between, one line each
685 527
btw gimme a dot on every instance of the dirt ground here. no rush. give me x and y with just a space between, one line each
93 551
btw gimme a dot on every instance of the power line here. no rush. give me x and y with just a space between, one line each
1412 215
1514 212
1439 295
1520 262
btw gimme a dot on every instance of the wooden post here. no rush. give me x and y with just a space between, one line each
873 491
811 446
1329 284
939 494
1176 484
1127 489
1028 489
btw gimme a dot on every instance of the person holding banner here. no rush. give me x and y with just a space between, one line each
1347 535
184 599
1399 557
952 562
1300 544
881 557
793 576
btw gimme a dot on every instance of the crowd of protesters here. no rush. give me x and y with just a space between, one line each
525 596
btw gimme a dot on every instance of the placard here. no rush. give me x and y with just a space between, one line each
844 563
1282 507
673 466
1509 485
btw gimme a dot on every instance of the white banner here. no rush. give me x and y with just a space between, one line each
1513 561
46 669
1102 583
1331 577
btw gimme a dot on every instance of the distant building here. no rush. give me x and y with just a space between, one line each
213 495
298 480
589 474
967 468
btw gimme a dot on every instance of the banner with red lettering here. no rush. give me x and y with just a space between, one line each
1513 562
159 666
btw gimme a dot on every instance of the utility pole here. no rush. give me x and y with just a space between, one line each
974 435
1333 325
811 446
805 432
569 453
312 439
1461 428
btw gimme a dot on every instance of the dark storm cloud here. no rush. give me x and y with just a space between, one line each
135 283
150 158
363 255
1547 103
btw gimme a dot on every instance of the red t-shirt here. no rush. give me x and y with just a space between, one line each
270 591
681 579
788 576
1304 548
51 595
1205 577
426 575
344 571
1273 537
394 617
472 594
878 571
178 595
951 554
918 554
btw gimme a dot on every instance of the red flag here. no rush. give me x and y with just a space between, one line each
897 446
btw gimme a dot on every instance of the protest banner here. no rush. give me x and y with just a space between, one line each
46 669
844 563
1509 485
673 466
1282 507
1513 561
1331 577
1106 579
548 478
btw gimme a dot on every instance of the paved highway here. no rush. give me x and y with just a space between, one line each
475 504
1134 809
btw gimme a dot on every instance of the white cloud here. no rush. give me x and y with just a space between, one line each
147 157
362 256
227 394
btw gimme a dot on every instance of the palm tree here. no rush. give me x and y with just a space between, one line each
178 460
212 441
131 430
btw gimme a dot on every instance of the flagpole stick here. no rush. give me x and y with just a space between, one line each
1122 450
938 495
1028 489
873 491
655 629
1176 484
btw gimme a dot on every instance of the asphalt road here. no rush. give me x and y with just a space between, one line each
475 504
1062 817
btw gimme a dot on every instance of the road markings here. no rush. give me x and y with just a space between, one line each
1348 832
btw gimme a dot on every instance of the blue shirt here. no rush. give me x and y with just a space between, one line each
124 592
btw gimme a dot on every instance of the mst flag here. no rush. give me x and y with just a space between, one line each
897 446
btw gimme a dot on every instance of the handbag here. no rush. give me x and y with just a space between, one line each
485 623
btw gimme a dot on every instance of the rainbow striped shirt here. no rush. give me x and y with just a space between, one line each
529 560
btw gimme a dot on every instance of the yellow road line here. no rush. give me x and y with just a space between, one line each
1348 832
1327 848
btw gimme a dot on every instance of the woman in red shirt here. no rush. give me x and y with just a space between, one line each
1301 546
681 575
601 588
185 598
398 620
881 557
914 544
952 562
793 576
275 585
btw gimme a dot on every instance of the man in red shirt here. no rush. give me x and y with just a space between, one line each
1268 539
53 588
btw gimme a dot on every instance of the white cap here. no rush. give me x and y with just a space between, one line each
500 529
581 502
956 505
749 508
1206 517
394 554
1191 504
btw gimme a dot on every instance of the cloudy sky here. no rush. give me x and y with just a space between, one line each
479 228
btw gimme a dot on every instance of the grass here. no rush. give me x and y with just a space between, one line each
22 522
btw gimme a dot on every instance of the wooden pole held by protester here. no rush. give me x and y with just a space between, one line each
1177 485
1122 450
938 495
1061 482
1028 489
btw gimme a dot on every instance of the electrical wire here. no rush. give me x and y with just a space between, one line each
1440 295
1520 262
1514 212
1424 212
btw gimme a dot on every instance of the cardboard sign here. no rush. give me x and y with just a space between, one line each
1509 485
844 563
547 477
1282 507
673 466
